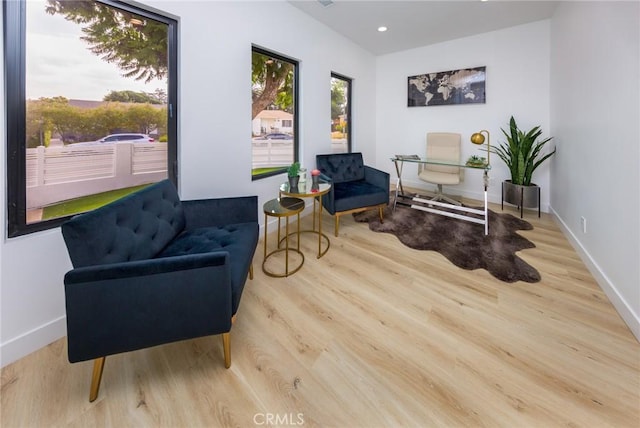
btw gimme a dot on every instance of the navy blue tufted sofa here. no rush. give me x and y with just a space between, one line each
150 269
354 186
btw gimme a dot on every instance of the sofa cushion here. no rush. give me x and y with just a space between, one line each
239 240
358 194
341 167
135 227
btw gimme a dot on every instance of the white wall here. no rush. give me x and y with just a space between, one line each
517 61
595 110
214 132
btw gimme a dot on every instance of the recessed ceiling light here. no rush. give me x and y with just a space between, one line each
382 29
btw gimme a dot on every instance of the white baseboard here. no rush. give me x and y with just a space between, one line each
617 300
31 341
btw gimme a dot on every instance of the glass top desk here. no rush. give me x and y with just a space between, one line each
475 215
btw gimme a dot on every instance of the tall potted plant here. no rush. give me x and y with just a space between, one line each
523 154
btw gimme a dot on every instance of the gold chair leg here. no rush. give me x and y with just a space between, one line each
380 213
251 271
337 226
226 344
98 366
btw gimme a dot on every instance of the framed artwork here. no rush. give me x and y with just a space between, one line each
465 86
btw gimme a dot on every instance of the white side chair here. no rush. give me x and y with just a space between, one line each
444 147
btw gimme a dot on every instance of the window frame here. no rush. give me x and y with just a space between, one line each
296 110
349 99
14 32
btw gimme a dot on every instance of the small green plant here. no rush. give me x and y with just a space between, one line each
522 152
293 169
475 160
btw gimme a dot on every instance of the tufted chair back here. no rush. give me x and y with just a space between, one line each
341 167
132 228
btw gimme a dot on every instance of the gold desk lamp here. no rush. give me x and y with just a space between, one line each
478 138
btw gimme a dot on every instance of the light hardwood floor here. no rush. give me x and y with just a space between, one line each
374 334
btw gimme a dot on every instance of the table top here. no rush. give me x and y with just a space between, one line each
283 207
304 189
432 161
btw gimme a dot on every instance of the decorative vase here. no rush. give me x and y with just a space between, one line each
303 176
293 182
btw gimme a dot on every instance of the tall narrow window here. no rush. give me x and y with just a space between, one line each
91 100
340 114
274 113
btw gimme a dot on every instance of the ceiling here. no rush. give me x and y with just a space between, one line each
419 23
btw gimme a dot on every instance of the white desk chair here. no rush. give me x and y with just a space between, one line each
445 147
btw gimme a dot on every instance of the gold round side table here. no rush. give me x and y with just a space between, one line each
282 207
305 191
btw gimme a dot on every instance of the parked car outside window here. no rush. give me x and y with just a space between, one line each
276 136
119 138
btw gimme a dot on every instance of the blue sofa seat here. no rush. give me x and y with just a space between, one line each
151 269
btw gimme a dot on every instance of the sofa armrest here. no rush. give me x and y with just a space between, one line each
154 301
220 212
376 177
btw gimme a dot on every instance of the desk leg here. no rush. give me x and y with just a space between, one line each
398 183
485 178
486 213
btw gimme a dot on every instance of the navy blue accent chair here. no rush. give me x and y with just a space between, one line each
150 269
355 186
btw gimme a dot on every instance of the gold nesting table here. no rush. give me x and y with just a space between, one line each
306 191
283 207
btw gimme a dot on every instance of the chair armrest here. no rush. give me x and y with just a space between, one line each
220 211
376 177
328 199
325 178
155 301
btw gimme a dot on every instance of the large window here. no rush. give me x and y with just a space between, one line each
91 106
274 113
340 114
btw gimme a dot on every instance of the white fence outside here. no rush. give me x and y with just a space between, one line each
56 174
270 153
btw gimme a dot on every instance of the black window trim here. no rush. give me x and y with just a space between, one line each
296 120
349 81
14 29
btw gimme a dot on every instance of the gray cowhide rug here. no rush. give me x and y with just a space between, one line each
463 243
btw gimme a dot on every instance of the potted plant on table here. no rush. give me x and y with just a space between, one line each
293 174
522 154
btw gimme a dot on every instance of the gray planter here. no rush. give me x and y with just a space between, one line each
521 196
293 182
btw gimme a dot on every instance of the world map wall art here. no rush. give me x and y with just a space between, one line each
465 86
